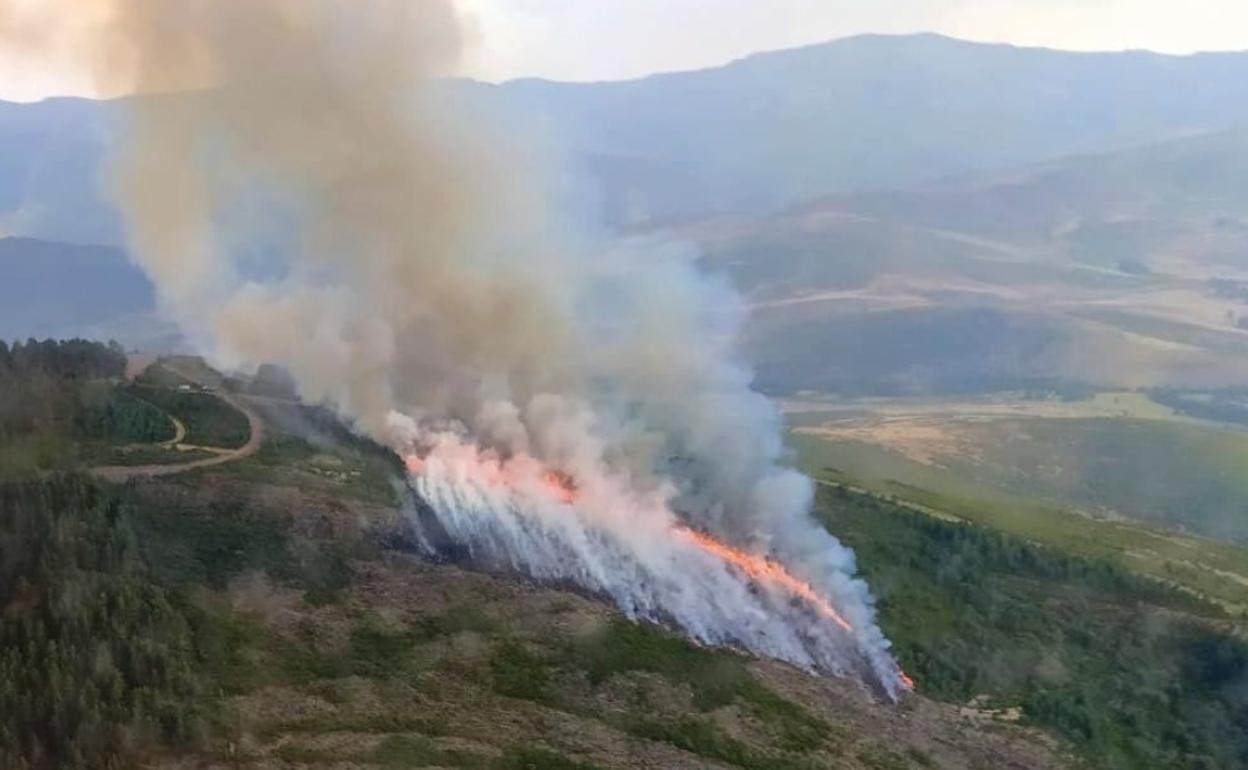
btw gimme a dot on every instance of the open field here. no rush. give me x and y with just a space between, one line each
1164 496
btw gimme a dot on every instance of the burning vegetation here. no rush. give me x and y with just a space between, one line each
419 277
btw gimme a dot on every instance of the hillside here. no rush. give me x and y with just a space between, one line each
286 620
58 289
1173 207
777 128
1122 269
1064 204
270 611
754 135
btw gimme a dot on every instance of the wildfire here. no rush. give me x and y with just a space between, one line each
562 487
759 568
510 473
766 571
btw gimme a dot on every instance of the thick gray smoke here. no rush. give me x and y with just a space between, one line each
320 201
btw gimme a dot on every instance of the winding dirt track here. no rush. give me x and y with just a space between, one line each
123 473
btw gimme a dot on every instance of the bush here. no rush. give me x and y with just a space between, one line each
518 673
540 759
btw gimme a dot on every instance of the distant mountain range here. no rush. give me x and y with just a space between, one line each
57 289
868 112
52 160
758 134
1127 268
905 213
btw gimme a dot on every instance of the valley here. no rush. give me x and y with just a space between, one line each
876 404
1116 475
318 637
299 628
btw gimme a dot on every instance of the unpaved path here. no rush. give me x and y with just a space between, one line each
123 473
179 432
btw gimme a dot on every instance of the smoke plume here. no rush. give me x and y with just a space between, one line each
304 188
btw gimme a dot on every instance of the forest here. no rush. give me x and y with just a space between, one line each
115 643
1133 673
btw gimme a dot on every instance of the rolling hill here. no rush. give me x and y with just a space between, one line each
755 135
1122 269
868 112
1055 205
58 289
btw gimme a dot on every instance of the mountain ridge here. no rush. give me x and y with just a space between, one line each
757 134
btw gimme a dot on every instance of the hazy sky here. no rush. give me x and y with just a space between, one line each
610 39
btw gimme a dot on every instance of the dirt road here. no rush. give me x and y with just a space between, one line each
123 473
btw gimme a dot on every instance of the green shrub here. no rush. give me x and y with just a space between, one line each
406 751
540 759
715 677
518 673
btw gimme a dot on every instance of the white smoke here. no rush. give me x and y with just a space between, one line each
630 546
323 203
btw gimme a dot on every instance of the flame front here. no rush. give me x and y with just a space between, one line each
765 570
562 487
523 477
758 568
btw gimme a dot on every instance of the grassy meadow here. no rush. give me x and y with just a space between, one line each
1162 495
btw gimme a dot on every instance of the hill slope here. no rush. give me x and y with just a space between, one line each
57 289
1124 269
870 112
767 131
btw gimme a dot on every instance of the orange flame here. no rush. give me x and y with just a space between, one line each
757 567
564 489
766 571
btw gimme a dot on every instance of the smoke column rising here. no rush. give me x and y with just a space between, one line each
315 196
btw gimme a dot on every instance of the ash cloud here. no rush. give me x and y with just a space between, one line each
413 272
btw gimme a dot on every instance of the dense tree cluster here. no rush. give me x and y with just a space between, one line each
62 401
1134 673
97 662
42 383
64 359
120 416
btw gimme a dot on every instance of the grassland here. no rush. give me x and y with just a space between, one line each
1118 488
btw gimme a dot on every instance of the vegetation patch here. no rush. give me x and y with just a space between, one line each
133 456
703 737
1114 663
96 660
716 678
209 420
1208 568
118 416
532 758
518 673
358 469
